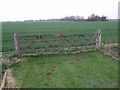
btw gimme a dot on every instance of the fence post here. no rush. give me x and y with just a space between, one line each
98 39
16 38
3 81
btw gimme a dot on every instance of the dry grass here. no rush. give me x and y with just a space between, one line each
10 80
111 49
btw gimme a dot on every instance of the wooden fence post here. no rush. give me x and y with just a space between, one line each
16 38
98 39
3 80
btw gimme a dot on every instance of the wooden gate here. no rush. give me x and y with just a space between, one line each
32 45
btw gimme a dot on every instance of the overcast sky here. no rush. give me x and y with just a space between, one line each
11 10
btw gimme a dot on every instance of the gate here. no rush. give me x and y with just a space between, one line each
32 45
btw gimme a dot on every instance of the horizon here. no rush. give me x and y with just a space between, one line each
41 20
20 10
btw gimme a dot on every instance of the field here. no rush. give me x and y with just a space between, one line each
94 70
109 30
91 70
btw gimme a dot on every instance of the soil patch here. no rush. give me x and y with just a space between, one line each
10 80
48 73
78 59
55 66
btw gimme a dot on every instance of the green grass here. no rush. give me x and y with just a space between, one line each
109 30
98 71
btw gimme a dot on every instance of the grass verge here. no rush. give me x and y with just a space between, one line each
56 71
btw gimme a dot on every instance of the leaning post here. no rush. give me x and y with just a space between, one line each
98 40
16 43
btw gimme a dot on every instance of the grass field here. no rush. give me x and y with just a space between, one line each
97 70
109 30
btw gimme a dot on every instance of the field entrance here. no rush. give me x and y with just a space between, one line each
29 45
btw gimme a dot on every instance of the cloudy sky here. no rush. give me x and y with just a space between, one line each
11 10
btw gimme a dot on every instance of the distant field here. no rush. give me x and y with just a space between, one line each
109 30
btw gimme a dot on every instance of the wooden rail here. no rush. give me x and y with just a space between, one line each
56 49
53 40
36 54
59 35
43 44
35 46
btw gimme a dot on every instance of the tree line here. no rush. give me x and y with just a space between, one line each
92 17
